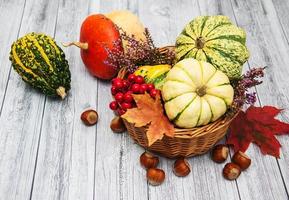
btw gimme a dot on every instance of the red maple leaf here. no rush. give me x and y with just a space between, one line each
257 125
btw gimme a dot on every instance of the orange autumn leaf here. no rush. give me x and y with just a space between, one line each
150 112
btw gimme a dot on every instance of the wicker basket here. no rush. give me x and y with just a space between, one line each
186 142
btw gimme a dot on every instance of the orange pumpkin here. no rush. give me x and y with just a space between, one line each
96 34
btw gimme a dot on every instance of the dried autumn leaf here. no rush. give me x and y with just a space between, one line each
150 112
259 126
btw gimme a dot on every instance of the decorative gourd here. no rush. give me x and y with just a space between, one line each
154 74
128 22
97 35
41 63
195 93
216 40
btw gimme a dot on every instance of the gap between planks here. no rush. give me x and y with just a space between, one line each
256 89
287 40
42 116
230 150
10 69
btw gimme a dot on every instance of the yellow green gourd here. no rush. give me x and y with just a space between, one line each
154 74
41 63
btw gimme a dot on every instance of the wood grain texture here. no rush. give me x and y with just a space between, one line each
165 23
65 161
261 36
22 113
108 146
251 187
134 184
118 173
281 7
47 153
282 98
275 53
11 16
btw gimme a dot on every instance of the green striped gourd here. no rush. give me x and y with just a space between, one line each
41 63
216 40
195 93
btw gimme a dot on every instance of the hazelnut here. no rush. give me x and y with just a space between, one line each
220 153
148 160
155 176
89 117
181 167
117 125
231 171
242 160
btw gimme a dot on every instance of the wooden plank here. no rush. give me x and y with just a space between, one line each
65 162
108 146
68 169
22 112
211 7
166 19
244 184
279 85
263 30
282 14
118 174
134 182
11 13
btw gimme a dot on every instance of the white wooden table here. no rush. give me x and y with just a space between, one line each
47 153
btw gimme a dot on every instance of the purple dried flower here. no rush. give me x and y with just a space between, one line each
255 72
248 80
137 53
251 98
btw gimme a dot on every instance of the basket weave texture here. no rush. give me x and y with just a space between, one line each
186 142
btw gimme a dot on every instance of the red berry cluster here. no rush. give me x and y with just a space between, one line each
123 89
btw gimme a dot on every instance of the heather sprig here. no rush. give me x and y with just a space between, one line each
137 53
241 87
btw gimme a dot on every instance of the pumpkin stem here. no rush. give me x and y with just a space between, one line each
61 92
201 91
81 45
200 42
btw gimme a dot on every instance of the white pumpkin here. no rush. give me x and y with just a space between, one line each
196 93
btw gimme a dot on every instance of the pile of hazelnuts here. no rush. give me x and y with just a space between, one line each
232 170
181 167
156 176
